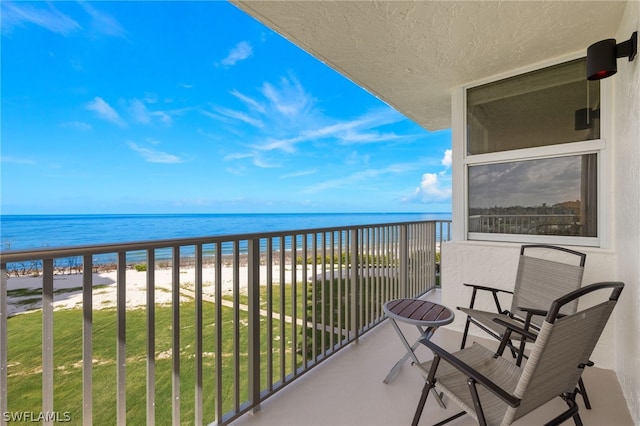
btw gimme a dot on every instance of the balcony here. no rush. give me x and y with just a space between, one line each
348 389
227 334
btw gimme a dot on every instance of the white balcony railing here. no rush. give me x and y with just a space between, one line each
215 349
536 224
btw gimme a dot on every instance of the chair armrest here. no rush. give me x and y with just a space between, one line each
486 288
472 373
494 293
515 328
534 311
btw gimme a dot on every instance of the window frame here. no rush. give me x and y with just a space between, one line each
595 146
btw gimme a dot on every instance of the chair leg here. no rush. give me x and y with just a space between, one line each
423 399
466 331
572 412
583 392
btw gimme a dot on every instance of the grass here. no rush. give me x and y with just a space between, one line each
25 375
25 358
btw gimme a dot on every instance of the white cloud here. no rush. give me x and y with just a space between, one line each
371 137
76 125
252 103
16 160
18 15
237 115
102 22
300 173
141 114
240 52
105 111
446 160
289 99
154 156
431 189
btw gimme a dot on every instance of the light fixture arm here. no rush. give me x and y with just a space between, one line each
628 48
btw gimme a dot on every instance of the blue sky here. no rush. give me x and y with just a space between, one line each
195 107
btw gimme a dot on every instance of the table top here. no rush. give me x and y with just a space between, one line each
419 312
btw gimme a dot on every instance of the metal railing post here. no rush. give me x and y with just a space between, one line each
87 340
404 261
4 306
253 289
354 284
121 351
47 337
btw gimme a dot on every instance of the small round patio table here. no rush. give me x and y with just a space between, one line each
426 316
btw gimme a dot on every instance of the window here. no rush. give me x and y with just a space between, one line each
532 155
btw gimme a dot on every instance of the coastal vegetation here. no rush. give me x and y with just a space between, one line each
316 304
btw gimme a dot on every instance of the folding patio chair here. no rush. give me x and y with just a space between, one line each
538 282
495 391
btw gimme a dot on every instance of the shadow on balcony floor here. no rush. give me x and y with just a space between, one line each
348 390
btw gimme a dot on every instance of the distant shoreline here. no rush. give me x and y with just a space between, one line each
34 269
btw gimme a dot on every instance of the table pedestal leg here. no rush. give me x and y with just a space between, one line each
409 353
428 332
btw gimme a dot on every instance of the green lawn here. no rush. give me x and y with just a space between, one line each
25 359
25 378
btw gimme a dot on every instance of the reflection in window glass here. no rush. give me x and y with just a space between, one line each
551 196
550 106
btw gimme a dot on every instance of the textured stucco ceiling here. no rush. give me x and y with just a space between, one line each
410 54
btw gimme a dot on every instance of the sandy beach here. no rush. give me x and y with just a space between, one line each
24 295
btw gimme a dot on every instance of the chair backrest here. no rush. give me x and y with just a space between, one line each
562 349
541 281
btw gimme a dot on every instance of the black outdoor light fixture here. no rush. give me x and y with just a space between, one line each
601 56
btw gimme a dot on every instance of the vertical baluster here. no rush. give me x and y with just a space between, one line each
294 306
47 337
354 284
340 299
121 352
218 320
175 325
363 278
253 339
321 283
404 262
236 326
314 297
305 301
87 340
4 305
330 279
270 314
198 331
379 272
151 337
283 339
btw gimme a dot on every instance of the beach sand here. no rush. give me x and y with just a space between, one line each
24 295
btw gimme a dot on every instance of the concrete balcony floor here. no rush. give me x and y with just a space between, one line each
347 389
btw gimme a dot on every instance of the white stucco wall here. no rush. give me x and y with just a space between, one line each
626 190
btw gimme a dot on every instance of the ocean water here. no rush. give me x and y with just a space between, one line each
18 232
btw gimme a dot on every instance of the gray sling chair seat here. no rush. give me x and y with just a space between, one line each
539 281
495 391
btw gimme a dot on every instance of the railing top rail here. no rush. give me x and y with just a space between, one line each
525 215
9 256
